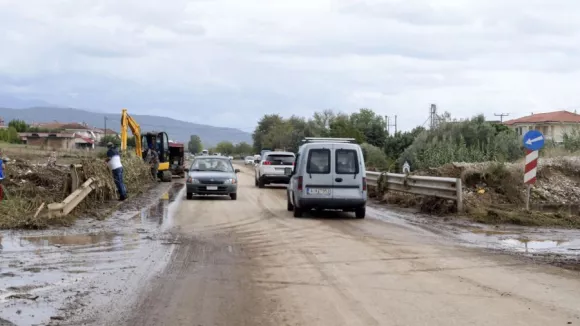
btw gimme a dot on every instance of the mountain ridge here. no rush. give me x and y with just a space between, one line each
177 130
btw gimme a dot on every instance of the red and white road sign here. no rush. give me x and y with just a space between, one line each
531 167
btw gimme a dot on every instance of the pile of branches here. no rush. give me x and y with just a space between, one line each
28 186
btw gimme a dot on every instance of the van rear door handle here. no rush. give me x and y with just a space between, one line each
338 179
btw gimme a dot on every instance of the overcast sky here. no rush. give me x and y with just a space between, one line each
228 62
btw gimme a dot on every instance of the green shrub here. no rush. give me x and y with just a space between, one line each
375 158
474 140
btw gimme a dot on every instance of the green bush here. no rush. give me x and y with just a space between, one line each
375 158
474 140
571 140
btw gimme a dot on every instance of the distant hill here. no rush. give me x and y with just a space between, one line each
176 129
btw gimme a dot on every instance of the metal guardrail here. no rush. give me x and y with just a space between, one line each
69 203
446 188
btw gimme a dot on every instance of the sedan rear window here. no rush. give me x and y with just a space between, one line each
318 161
346 161
280 159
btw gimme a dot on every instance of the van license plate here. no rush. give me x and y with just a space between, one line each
318 191
211 187
288 171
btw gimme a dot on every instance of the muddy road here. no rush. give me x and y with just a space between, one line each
249 262
214 261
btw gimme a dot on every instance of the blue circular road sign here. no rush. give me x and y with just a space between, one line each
533 140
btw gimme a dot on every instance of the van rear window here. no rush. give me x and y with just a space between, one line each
346 161
318 161
280 159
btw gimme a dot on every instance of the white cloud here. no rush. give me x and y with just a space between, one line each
227 62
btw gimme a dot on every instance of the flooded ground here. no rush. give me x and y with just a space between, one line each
53 275
65 276
557 246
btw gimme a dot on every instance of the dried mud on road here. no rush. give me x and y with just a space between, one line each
249 262
215 261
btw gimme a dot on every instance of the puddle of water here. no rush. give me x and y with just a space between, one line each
568 244
162 212
52 268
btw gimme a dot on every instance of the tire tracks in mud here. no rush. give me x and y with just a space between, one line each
249 262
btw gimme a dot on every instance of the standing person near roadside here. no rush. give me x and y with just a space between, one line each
153 159
114 161
2 169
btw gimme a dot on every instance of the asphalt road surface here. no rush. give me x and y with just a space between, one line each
249 262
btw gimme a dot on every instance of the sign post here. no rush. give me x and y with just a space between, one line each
533 142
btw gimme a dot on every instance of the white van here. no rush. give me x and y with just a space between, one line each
329 173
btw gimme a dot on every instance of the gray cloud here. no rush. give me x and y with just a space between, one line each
228 62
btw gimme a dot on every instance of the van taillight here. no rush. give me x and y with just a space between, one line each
267 163
364 180
300 183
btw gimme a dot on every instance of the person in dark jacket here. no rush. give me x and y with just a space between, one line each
2 177
114 162
152 158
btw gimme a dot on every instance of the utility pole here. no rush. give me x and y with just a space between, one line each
105 137
389 125
433 116
501 115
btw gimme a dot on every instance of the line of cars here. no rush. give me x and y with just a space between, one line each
326 173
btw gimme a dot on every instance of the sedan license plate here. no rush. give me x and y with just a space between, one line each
212 187
288 171
318 191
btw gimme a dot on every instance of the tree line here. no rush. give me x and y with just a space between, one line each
452 140
195 146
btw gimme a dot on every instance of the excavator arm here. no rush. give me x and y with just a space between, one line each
127 122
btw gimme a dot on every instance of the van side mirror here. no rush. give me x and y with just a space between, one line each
237 170
257 161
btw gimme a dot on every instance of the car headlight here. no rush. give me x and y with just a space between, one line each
192 180
230 181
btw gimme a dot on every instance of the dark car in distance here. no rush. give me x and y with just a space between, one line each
212 175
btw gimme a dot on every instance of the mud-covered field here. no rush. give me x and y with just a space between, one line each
55 275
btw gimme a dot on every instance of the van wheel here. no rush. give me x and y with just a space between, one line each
297 210
189 195
360 212
234 196
255 181
261 183
289 205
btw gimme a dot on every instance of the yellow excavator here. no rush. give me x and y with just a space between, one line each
159 141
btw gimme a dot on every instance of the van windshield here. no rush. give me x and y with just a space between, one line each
280 159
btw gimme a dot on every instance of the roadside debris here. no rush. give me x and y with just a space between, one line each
24 296
494 192
31 186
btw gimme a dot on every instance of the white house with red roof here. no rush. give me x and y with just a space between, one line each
554 125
